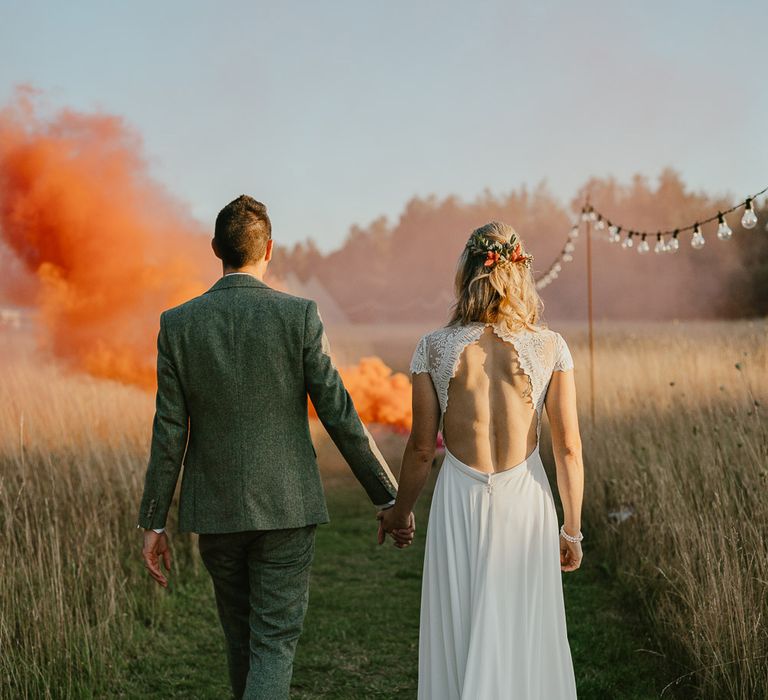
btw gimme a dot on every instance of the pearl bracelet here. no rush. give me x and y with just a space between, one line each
570 538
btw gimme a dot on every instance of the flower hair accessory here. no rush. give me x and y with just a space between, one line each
496 252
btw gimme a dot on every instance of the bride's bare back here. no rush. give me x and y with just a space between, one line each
490 385
490 422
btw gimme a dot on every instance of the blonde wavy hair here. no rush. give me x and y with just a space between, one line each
503 293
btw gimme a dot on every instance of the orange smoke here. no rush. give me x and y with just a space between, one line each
102 248
380 395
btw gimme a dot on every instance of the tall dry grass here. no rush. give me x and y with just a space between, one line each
679 441
72 456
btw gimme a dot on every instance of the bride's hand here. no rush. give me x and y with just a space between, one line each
400 529
570 555
404 536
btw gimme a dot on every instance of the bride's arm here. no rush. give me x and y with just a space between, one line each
566 445
419 452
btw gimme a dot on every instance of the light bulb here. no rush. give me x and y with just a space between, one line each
660 246
674 245
574 232
592 215
697 241
567 257
643 246
557 267
569 247
585 215
627 242
600 224
723 229
613 234
749 220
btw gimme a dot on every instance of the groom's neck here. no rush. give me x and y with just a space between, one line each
257 269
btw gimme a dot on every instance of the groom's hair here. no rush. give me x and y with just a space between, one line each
242 231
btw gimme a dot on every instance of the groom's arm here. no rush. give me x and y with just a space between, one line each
169 439
337 413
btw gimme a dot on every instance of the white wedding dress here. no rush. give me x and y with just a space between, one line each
492 615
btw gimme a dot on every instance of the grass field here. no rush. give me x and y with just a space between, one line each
679 446
360 637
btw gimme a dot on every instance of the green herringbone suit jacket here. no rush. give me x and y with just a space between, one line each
234 368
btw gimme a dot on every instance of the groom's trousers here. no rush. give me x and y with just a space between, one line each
261 582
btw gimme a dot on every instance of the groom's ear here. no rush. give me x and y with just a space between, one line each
215 248
268 251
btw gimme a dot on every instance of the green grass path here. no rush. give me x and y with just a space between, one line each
360 638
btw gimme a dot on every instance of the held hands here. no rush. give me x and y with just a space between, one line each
156 547
400 528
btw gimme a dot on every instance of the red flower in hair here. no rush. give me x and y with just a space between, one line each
491 258
517 254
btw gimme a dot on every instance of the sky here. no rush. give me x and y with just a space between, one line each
335 113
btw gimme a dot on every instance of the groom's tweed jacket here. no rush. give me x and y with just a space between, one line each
234 368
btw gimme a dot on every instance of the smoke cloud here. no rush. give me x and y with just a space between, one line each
97 246
99 250
380 395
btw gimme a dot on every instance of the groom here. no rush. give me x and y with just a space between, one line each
234 368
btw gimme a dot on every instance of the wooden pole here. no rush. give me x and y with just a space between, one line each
588 233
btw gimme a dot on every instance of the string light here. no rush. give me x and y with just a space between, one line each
723 229
697 241
724 232
749 220
565 256
589 214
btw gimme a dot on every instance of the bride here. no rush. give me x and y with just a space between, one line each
492 615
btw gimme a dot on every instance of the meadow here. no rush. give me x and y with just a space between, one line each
672 600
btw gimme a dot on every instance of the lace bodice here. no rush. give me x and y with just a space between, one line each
539 353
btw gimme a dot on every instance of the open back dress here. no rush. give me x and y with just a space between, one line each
492 615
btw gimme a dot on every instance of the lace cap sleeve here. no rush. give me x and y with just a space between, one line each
419 360
563 358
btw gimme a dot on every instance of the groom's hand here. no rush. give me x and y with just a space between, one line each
400 528
155 548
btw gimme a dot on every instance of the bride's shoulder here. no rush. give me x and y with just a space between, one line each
547 332
555 342
563 360
436 345
442 332
556 335
425 349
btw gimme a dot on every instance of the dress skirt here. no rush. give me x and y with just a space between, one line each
492 615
